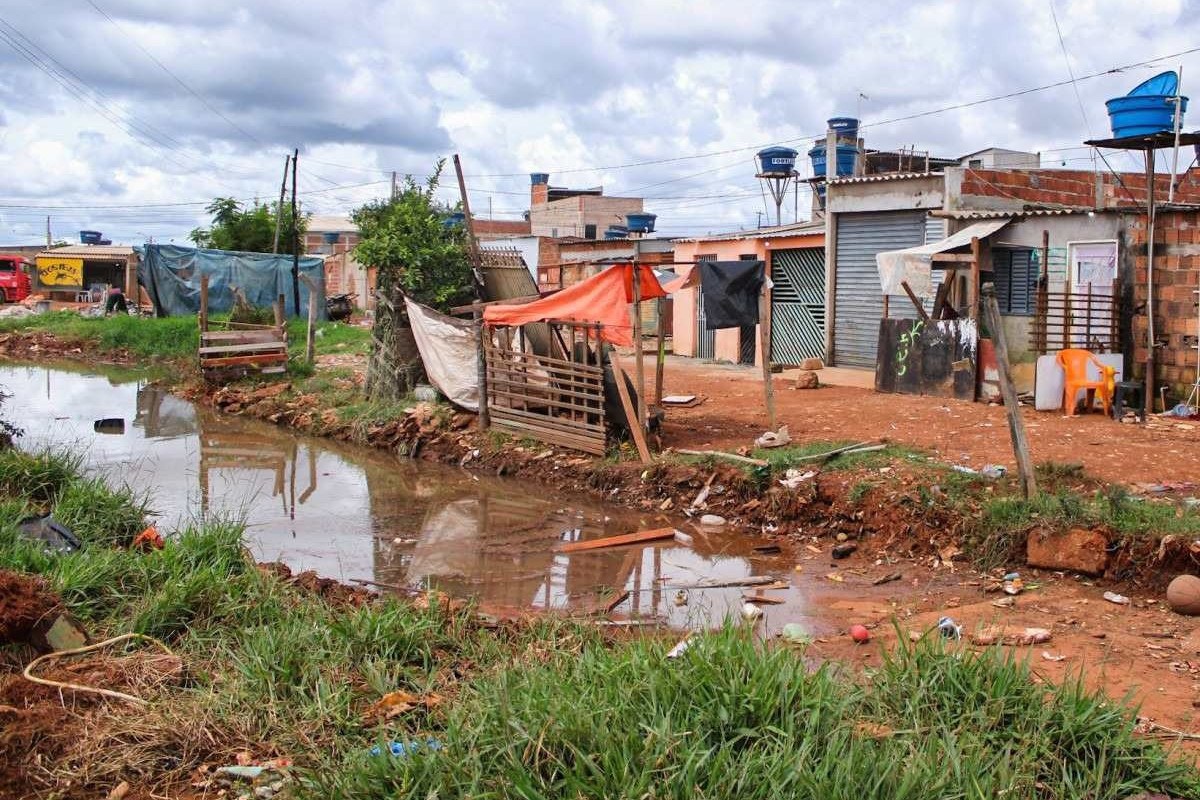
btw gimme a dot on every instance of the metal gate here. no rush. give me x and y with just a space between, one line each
798 305
706 340
858 299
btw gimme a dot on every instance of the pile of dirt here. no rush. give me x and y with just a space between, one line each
310 583
25 600
40 345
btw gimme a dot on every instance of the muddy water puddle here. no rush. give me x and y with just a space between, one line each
354 513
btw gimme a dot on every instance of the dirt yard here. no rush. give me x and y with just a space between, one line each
972 434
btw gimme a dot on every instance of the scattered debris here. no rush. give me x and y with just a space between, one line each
682 400
616 541
1012 637
843 550
401 749
1119 599
680 646
58 537
949 629
148 539
994 471
1013 585
1048 656
1005 602
768 549
393 704
860 634
702 495
723 583
681 598
774 438
712 521
751 612
794 477
891 576
763 599
684 539
29 676
758 462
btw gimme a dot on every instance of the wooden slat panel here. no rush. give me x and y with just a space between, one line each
242 348
267 358
550 436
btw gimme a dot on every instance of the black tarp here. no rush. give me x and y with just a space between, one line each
731 290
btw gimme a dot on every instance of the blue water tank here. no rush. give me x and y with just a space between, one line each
90 237
539 178
846 154
640 223
616 232
1148 108
844 127
457 218
777 161
330 237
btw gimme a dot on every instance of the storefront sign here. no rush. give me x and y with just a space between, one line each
57 271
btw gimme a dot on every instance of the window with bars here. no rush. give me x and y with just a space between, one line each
1015 273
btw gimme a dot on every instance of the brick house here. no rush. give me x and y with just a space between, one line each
583 213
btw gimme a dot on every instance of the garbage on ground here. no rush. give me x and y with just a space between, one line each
407 748
148 539
1119 599
774 438
681 598
398 702
1008 636
891 576
1013 584
949 629
1183 595
794 477
794 633
964 470
994 471
110 425
683 538
58 537
843 550
860 634
1005 602
1048 656
682 400
751 612
680 646
712 520
1181 410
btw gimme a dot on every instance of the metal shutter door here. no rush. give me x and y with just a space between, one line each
857 297
798 305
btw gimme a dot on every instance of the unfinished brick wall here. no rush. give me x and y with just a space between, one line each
1176 281
1076 188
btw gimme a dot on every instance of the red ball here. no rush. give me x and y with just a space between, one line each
860 634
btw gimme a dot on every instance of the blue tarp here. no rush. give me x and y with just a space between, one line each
171 276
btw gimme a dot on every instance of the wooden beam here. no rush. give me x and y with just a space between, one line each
661 358
764 344
957 258
203 302
616 541
635 426
470 307
758 462
973 283
310 340
915 301
1016 425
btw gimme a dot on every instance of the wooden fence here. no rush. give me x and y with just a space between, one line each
1084 319
234 344
556 399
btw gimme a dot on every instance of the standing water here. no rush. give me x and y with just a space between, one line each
352 512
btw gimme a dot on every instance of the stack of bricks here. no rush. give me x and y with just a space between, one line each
1176 281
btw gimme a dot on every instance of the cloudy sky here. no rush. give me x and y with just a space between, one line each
127 116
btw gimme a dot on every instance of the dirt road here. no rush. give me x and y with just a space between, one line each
959 432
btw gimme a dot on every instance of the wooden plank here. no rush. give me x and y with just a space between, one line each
952 258
915 301
310 342
243 348
203 302
635 425
616 541
764 344
973 282
240 337
758 462
1012 410
501 422
235 360
573 423
514 301
557 423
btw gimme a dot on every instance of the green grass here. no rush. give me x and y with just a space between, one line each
541 709
330 337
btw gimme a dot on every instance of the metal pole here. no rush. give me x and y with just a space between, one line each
295 238
1147 402
1175 154
638 357
485 419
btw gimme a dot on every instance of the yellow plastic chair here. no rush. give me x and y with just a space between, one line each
1075 366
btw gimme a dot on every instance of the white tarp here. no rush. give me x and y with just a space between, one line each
448 348
912 265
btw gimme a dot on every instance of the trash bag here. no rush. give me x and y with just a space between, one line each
58 537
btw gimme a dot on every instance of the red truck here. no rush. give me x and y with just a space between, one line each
14 278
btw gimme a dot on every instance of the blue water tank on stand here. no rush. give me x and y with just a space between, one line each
640 223
844 127
90 237
538 178
1148 109
330 237
616 232
777 161
846 154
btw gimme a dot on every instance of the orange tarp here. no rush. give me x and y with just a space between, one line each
602 298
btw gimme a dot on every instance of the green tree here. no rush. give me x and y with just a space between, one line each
407 241
415 254
250 230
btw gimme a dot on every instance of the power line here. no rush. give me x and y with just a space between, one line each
175 205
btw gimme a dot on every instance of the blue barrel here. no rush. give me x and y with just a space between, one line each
844 127
616 233
777 161
456 218
539 178
640 223
846 154
90 237
330 238
1148 108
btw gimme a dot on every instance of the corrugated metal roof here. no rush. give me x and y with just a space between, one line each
886 176
89 251
795 229
1033 212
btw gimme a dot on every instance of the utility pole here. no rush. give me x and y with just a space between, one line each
48 239
394 187
295 237
279 206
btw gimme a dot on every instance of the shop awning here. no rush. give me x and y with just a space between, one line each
913 264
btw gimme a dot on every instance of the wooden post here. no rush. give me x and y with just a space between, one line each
915 301
638 357
279 315
287 161
764 344
203 302
639 435
1016 425
295 237
1148 395
973 287
485 419
661 361
885 306
310 341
